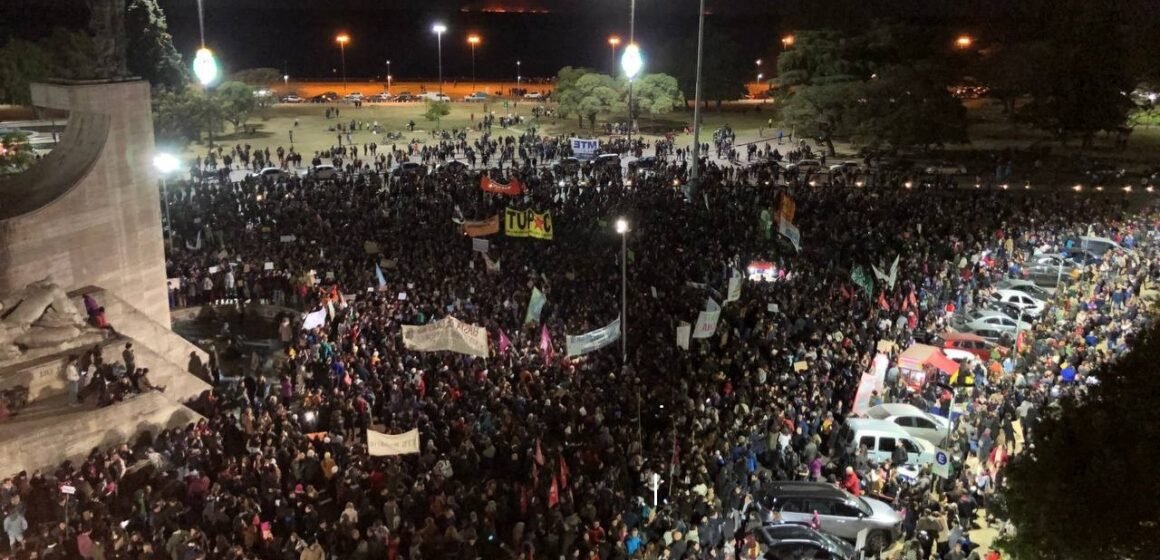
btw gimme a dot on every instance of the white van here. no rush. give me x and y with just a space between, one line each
881 437
1098 245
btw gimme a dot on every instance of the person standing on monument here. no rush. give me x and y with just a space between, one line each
73 376
129 356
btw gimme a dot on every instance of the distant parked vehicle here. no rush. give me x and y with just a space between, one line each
477 97
292 98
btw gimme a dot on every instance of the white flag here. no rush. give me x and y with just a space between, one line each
707 320
734 287
683 332
386 445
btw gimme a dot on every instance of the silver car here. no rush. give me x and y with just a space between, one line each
989 319
841 513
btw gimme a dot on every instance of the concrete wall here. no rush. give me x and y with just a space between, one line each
106 228
71 434
143 328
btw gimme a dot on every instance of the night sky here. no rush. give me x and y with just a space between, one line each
298 35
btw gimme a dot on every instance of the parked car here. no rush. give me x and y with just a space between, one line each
988 319
606 161
353 96
1046 269
1022 301
434 96
271 173
1026 286
324 172
990 334
1083 257
1098 245
846 167
881 438
912 420
841 514
789 541
381 97
292 98
477 97
946 168
454 166
406 96
409 168
805 165
567 166
958 345
533 95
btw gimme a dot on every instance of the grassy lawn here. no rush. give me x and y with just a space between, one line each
991 133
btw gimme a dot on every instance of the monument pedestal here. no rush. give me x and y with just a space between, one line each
89 213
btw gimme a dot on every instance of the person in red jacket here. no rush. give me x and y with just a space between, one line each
850 482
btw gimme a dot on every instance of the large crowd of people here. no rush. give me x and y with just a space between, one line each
531 454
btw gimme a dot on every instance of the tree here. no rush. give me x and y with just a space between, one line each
182 116
21 63
150 52
1083 489
724 70
15 152
436 110
884 85
237 102
595 94
266 77
656 94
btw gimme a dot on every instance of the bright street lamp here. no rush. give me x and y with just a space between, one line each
388 77
787 42
613 42
166 163
964 42
631 62
473 40
439 30
205 67
622 229
343 39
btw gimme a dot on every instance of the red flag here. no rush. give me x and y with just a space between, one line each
905 304
846 293
535 475
563 472
539 456
513 188
553 493
504 342
882 301
1020 341
524 499
913 300
546 344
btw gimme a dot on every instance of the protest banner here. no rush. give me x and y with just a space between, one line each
594 340
871 381
734 287
481 228
448 334
173 283
314 320
512 188
535 306
480 245
527 223
584 148
790 232
387 445
707 320
684 330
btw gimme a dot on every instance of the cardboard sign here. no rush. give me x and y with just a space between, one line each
287 238
886 346
480 245
402 296
268 266
801 366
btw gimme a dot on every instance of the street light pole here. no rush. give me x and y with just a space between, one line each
473 40
519 76
613 41
439 29
695 174
165 164
343 39
388 77
622 229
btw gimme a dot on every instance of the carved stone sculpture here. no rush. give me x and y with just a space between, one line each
107 26
39 316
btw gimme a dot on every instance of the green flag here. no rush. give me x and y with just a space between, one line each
535 306
765 224
863 280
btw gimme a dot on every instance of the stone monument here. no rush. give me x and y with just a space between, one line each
89 213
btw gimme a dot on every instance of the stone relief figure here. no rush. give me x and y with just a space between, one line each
107 26
39 316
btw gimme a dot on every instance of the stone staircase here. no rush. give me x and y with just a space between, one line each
49 431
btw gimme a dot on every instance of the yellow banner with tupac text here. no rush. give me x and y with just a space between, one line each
527 223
